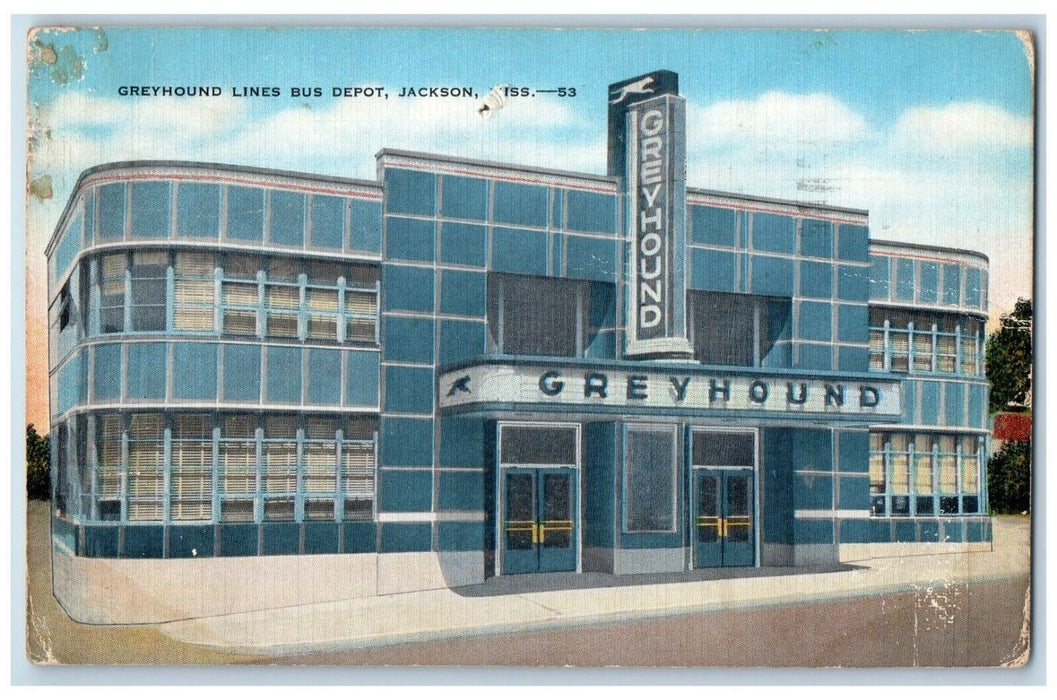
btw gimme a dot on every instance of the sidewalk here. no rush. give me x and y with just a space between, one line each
550 601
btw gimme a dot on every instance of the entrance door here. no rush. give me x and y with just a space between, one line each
723 521
539 529
723 498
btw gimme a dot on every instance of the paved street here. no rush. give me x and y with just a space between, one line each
926 610
959 625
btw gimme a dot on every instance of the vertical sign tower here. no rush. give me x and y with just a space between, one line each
647 148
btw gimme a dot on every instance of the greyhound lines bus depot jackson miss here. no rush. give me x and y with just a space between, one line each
273 387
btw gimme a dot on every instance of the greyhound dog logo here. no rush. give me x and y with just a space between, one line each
462 384
641 87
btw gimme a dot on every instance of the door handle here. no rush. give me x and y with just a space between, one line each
708 521
735 521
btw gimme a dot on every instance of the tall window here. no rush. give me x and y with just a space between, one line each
194 292
191 481
280 467
739 330
358 461
649 473
108 465
238 467
537 315
361 304
112 293
240 295
148 289
924 474
282 298
146 462
320 468
321 301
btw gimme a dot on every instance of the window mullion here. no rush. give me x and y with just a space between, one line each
756 333
887 346
343 317
302 314
261 321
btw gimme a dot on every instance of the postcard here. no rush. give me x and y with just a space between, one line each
589 347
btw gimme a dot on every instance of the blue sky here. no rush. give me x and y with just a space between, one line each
930 131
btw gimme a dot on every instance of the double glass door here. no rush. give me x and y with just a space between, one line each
722 499
539 527
538 523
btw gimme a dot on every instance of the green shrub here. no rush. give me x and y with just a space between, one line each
38 476
1009 478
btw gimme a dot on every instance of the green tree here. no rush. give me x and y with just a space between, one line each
1009 478
38 478
1008 364
1008 359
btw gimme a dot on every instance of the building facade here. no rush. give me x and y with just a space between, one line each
467 369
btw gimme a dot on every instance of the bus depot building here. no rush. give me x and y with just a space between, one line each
273 388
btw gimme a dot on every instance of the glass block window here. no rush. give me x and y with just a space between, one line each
282 305
191 480
237 462
258 297
321 310
923 341
279 453
877 348
923 344
358 464
146 464
321 458
970 464
194 293
361 304
899 463
944 477
109 467
971 346
923 464
240 295
946 344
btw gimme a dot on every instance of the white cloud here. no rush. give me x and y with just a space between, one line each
779 118
961 125
179 117
957 175
338 137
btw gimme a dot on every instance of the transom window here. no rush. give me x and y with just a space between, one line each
740 330
538 315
